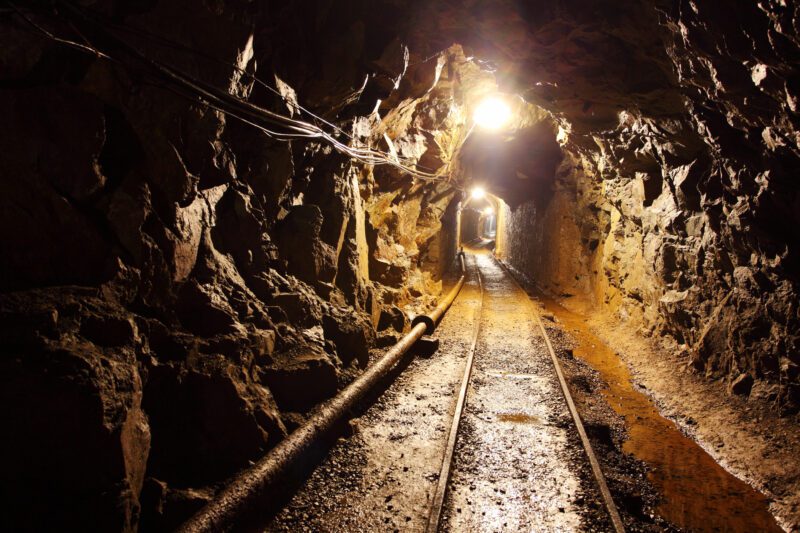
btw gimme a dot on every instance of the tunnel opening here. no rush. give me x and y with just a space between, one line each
185 280
478 220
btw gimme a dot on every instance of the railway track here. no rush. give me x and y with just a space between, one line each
440 494
499 349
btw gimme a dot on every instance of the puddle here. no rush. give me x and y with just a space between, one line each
697 493
519 418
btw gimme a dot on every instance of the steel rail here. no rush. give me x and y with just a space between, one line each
600 478
241 495
447 461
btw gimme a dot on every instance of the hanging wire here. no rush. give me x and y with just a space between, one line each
168 43
224 102
49 35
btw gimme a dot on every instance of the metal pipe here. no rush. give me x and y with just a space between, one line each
431 320
247 486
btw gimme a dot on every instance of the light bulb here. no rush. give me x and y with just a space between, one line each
478 193
492 113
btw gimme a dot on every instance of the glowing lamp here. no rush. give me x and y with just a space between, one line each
492 113
488 211
477 193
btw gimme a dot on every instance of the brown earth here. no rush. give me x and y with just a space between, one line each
747 438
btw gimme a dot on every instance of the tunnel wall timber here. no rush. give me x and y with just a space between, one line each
178 290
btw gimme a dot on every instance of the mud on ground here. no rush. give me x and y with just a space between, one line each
748 438
636 498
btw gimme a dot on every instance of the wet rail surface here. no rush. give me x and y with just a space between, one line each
517 465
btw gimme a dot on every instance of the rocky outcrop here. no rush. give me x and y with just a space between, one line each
675 206
178 288
78 436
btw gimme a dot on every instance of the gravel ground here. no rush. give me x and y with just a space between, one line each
685 488
513 466
634 495
519 465
694 491
382 477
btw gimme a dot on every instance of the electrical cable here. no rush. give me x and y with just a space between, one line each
66 42
229 104
177 46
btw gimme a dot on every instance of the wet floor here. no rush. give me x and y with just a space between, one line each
512 468
518 463
382 478
697 494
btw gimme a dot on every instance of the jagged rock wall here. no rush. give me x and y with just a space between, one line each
178 289
732 263
683 115
552 239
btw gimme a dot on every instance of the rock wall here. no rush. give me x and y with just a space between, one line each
552 241
680 210
178 289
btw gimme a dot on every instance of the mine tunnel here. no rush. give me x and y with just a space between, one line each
399 266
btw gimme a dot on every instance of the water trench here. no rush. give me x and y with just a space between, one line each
697 493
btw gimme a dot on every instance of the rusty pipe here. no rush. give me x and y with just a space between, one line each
241 493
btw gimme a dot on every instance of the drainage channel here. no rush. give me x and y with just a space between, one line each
697 494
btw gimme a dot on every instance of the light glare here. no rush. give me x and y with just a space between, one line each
478 193
492 113
488 211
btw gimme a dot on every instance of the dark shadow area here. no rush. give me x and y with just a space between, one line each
271 502
518 168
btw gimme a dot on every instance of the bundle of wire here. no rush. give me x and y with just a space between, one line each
273 124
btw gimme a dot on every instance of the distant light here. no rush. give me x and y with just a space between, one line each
477 193
492 113
489 211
